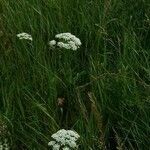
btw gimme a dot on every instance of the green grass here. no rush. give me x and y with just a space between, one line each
106 83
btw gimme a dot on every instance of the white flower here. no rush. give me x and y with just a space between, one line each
66 148
1 147
51 143
63 45
56 147
73 134
66 41
25 36
76 41
72 144
52 43
64 36
65 138
72 45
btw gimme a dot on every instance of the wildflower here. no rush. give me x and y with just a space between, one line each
69 37
63 45
52 43
51 143
66 41
66 148
64 139
65 36
25 36
56 147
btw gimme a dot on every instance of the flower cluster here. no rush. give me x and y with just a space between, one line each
25 36
64 139
66 41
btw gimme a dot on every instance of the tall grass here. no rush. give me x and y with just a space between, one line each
106 83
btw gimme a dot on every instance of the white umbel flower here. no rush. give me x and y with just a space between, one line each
64 36
66 41
63 45
52 43
25 36
69 37
56 147
72 45
66 148
51 143
66 139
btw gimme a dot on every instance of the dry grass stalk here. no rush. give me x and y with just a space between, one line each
98 117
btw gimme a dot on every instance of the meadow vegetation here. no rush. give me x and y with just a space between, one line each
104 85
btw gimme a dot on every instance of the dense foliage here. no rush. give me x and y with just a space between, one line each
105 85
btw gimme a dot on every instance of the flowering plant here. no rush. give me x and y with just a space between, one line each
25 36
64 139
66 41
